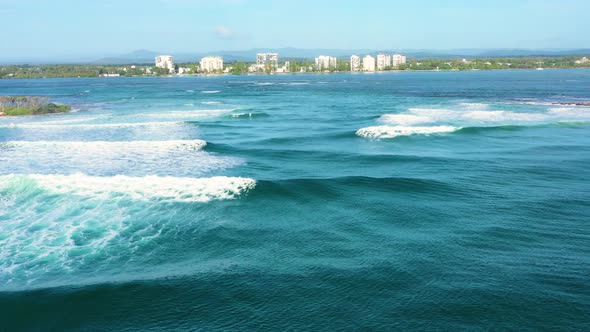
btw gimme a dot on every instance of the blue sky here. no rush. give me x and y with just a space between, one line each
50 28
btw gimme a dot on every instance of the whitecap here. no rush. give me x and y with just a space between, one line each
96 146
379 132
106 157
79 227
210 91
405 119
171 189
40 125
186 114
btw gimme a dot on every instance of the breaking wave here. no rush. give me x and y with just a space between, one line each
148 146
89 125
146 188
71 229
378 132
473 115
478 117
186 114
102 157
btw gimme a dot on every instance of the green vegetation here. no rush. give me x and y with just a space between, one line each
27 105
297 65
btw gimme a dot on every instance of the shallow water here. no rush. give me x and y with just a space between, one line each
423 201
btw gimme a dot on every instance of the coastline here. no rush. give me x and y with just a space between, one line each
300 73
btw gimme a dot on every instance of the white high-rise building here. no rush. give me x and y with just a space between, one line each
324 62
268 61
355 63
398 59
368 63
383 61
211 64
165 61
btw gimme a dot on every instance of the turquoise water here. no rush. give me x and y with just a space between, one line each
397 201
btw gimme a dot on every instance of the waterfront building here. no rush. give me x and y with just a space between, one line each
368 63
324 62
383 61
398 59
267 61
183 70
285 68
256 68
582 61
355 63
211 64
165 61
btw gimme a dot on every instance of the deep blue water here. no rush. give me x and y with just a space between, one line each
398 201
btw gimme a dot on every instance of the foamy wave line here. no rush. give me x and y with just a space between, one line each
211 91
109 146
426 115
138 188
379 132
89 126
186 114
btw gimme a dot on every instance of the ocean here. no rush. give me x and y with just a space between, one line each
437 201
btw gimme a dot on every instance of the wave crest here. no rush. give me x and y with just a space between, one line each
137 188
379 132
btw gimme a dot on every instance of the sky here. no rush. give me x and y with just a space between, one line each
96 28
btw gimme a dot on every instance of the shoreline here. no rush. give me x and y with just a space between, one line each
300 73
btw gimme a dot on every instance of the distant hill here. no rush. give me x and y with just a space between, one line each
139 56
147 56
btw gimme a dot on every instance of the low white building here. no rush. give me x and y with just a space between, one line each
355 63
398 59
211 64
324 62
267 61
285 68
165 61
383 61
183 70
582 61
368 63
255 68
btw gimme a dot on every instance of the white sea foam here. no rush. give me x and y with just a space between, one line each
295 83
40 125
68 121
210 91
139 188
83 223
186 114
211 102
571 113
100 157
378 132
467 114
472 117
96 146
239 115
405 119
476 106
